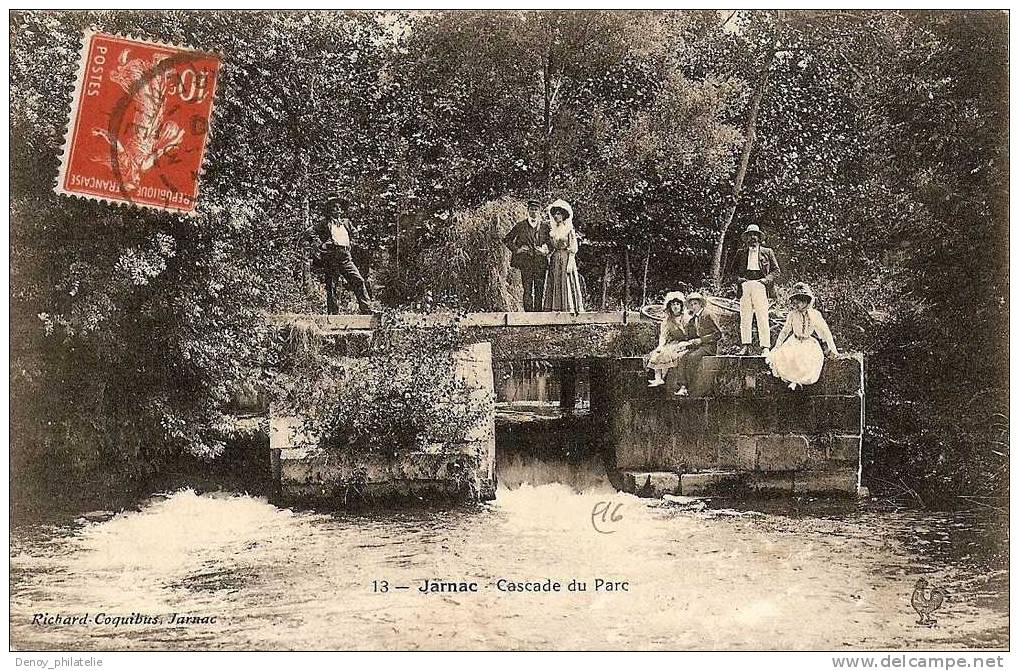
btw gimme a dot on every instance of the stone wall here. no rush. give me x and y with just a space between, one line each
741 429
441 468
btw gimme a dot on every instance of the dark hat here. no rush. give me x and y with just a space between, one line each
531 202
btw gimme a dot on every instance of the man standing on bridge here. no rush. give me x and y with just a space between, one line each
528 240
754 268
333 239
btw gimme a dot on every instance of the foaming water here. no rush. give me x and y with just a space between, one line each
280 579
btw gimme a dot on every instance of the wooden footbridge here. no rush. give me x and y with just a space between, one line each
515 336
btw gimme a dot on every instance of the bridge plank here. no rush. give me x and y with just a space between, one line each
562 318
351 322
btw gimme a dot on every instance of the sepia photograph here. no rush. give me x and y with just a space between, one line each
509 330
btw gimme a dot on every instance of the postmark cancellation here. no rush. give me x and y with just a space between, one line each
139 123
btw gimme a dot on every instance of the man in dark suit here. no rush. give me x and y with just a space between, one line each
702 336
529 243
753 269
332 237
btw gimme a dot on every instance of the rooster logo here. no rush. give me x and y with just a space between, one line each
147 136
925 604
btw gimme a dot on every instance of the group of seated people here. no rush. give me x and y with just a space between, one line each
689 331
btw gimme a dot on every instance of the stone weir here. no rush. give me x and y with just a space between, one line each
452 464
740 432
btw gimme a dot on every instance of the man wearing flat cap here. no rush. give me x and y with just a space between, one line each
753 268
332 237
529 243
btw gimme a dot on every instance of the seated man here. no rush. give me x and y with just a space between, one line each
333 238
702 336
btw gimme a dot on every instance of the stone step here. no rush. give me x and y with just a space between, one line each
708 482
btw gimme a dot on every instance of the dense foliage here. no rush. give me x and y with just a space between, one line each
876 163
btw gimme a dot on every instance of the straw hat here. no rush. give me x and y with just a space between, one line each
802 290
752 228
673 296
696 296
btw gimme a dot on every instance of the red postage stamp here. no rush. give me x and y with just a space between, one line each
138 124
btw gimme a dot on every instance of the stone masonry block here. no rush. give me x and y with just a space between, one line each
781 453
689 445
764 384
737 452
724 376
841 480
817 452
731 376
740 415
793 413
672 383
650 484
693 484
421 466
633 385
773 483
643 432
689 416
841 377
839 414
690 454
843 448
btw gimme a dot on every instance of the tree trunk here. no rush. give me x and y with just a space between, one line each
737 187
605 285
643 284
547 148
626 278
306 284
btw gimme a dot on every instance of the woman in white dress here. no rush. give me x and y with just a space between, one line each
671 338
562 282
797 357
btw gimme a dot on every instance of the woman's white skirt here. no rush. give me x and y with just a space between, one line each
665 357
797 361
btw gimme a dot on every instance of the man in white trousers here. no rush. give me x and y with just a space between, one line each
754 268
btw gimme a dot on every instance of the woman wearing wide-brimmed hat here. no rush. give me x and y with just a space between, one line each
671 338
797 357
562 283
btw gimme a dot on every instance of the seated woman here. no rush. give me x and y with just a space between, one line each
798 360
671 333
702 338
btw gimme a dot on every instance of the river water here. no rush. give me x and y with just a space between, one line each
784 576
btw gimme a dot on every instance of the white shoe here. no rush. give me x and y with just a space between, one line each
682 392
656 383
765 351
